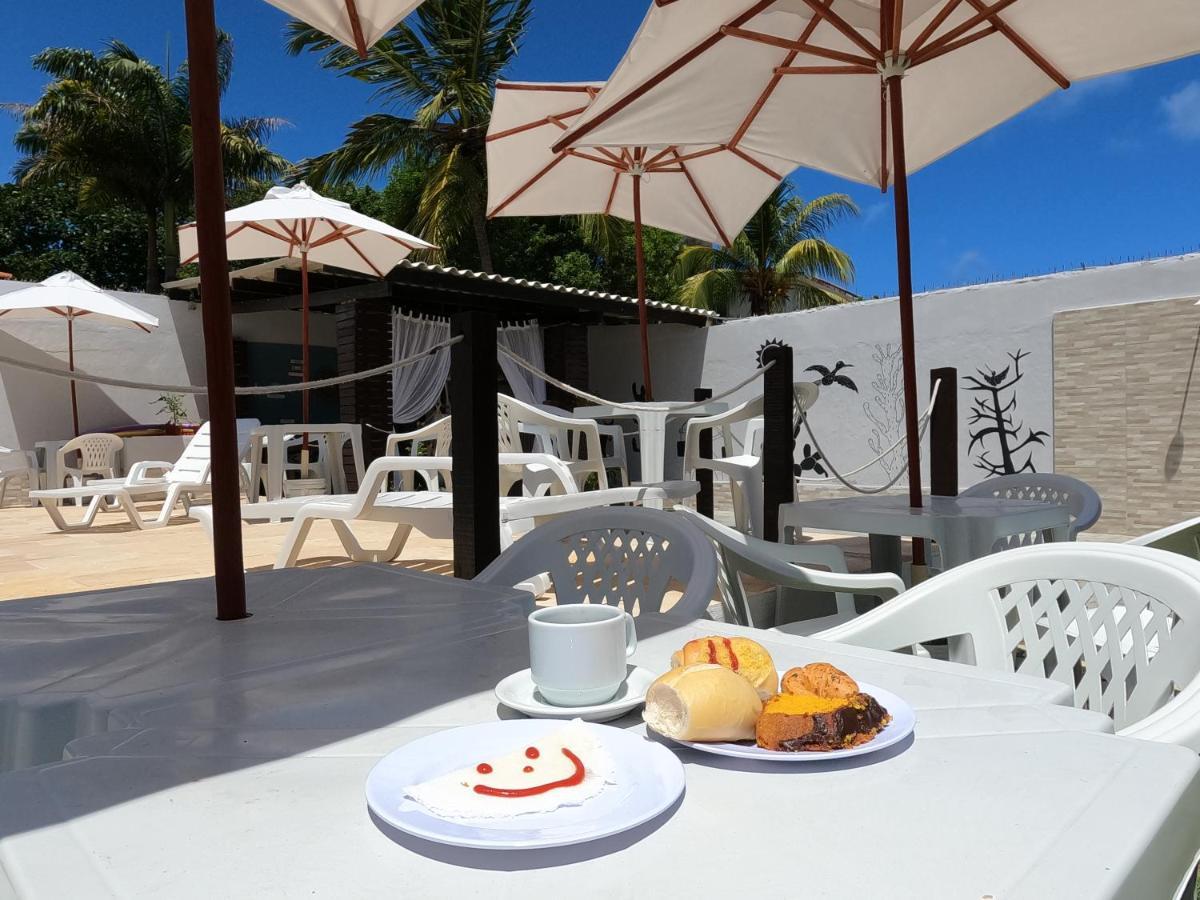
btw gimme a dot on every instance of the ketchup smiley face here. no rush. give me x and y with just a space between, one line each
575 778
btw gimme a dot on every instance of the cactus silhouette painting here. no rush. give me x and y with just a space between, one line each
994 409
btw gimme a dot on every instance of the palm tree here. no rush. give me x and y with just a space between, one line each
780 256
443 68
120 127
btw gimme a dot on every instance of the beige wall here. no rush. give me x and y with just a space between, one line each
1120 422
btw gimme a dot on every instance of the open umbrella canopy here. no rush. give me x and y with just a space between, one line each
704 192
356 23
800 78
68 296
297 221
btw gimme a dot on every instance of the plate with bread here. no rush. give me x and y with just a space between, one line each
725 696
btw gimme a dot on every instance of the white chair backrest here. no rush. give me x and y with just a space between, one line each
96 451
1117 623
195 463
508 424
1062 490
615 556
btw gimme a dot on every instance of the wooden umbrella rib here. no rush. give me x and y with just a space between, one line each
934 24
704 202
360 43
884 174
934 52
546 87
771 85
660 156
677 157
658 77
528 184
897 24
353 246
531 126
337 234
612 193
967 24
825 70
600 160
825 10
1025 47
742 154
800 46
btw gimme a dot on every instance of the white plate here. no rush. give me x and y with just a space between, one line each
649 778
904 720
518 692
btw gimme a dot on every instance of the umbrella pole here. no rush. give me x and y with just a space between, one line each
304 357
215 308
71 366
904 275
639 253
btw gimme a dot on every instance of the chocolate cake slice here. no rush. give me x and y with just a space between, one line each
807 722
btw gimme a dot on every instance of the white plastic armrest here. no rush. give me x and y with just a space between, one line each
430 432
138 471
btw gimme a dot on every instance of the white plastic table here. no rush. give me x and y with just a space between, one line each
652 419
221 760
965 528
274 439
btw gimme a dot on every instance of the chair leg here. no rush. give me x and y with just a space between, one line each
357 552
289 553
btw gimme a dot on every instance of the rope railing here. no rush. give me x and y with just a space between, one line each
250 391
922 428
632 407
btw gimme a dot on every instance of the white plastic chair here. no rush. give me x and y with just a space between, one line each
1062 490
617 459
97 458
569 437
16 465
1118 624
744 470
1182 537
787 566
614 556
436 437
180 481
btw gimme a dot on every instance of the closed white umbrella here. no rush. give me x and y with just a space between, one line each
705 192
356 23
819 82
299 222
68 296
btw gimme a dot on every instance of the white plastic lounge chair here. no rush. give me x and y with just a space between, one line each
435 436
182 480
17 465
569 436
1118 624
787 566
1182 537
1062 490
744 470
431 512
614 556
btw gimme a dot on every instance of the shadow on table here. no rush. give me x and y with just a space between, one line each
509 861
811 762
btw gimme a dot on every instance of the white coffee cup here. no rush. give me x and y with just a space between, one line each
577 652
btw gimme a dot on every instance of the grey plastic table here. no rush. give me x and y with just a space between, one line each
652 419
964 528
207 759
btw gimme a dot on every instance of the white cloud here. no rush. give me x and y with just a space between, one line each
872 212
967 264
1182 110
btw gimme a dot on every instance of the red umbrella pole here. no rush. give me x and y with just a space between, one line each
904 274
304 354
71 366
640 255
215 308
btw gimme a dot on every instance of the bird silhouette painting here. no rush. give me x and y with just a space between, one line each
831 376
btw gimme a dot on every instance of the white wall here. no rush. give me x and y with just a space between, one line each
35 407
969 328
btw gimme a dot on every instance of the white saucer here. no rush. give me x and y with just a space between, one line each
518 692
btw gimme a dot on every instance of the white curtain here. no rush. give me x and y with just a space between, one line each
526 342
416 388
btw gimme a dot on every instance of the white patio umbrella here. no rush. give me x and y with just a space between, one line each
68 296
819 82
356 23
704 192
205 98
299 222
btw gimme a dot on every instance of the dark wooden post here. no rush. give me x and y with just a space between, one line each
943 434
704 500
217 313
473 376
779 441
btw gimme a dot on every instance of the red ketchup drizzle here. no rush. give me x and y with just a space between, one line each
532 753
573 779
733 660
712 652
527 769
483 769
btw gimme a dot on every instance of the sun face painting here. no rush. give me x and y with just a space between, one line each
565 768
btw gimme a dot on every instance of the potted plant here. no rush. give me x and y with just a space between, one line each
172 405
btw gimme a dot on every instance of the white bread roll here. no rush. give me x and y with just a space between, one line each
703 702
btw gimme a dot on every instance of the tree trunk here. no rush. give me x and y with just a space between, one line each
170 241
758 304
479 217
153 277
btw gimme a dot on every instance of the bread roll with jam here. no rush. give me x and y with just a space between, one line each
704 702
748 658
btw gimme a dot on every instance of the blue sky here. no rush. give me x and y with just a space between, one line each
1107 171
